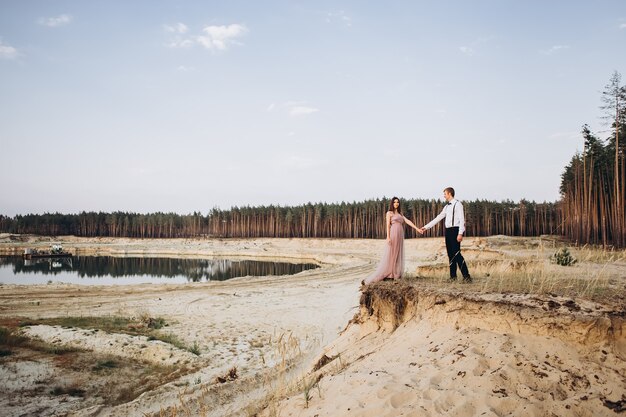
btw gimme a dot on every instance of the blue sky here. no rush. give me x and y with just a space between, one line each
187 105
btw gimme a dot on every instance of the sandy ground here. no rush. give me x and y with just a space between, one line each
448 358
273 328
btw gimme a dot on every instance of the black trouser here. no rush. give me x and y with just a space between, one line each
454 253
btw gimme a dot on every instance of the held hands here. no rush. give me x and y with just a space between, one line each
421 230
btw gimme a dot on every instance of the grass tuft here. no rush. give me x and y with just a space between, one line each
195 349
106 364
72 391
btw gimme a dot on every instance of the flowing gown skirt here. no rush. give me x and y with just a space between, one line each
392 263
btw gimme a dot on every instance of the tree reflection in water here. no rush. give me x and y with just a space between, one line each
195 270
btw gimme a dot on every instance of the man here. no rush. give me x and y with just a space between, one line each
455 228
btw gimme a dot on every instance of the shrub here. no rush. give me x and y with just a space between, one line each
563 258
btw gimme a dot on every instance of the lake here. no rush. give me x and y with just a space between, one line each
108 270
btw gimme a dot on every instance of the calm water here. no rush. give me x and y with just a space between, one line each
105 270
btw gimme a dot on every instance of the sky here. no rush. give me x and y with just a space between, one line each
183 106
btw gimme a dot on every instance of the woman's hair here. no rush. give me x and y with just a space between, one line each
391 208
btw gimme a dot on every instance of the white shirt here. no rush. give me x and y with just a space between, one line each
459 216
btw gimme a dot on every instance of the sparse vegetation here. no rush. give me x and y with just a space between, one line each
72 391
540 273
112 324
114 379
107 323
145 326
51 348
105 364
9 341
170 338
195 349
156 323
307 384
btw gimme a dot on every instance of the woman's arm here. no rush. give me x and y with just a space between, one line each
388 225
410 223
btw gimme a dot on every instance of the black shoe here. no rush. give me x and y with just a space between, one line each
452 279
467 279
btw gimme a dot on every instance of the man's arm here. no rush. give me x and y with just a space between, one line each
436 220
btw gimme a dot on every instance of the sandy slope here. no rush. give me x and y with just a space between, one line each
470 357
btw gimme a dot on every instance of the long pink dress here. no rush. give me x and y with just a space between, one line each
392 263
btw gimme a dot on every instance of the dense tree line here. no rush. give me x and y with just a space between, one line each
345 220
593 183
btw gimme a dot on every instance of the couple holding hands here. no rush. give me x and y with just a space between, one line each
392 263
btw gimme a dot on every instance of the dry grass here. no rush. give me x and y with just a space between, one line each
11 340
144 325
112 324
595 276
598 255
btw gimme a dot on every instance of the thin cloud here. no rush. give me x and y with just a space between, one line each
221 37
339 16
622 26
180 43
302 110
297 108
554 49
183 68
472 47
213 37
467 50
271 107
177 28
54 22
7 51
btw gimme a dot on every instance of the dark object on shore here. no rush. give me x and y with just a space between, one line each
230 376
56 251
616 406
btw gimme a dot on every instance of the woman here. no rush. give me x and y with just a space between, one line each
392 263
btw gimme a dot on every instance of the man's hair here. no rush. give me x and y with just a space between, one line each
450 190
